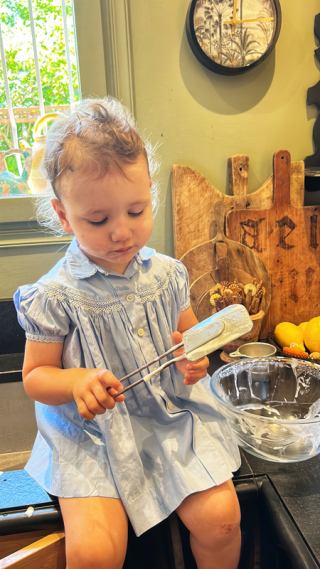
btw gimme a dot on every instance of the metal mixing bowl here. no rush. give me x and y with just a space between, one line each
273 406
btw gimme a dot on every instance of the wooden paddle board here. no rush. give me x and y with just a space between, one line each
286 238
193 199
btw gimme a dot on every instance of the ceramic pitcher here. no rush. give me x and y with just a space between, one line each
37 182
10 184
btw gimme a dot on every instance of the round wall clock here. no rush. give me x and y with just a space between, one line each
233 36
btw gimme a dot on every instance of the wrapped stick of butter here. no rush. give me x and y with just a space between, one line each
216 331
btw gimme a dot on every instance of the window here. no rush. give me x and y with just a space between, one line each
38 75
102 46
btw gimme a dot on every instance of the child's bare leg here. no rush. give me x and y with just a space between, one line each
96 532
213 519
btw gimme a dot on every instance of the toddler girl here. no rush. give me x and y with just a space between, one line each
108 307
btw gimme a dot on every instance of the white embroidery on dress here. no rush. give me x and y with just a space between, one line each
78 300
154 291
44 339
107 307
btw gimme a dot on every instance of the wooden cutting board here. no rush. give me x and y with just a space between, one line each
285 236
193 199
203 259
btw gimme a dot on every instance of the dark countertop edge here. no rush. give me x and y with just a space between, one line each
287 530
11 377
48 517
11 367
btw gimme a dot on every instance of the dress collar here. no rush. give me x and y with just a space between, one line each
82 268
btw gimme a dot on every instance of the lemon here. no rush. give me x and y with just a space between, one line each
311 335
315 355
303 326
286 333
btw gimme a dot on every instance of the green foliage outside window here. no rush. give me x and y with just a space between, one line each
17 39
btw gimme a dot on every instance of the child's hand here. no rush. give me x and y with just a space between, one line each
192 371
91 395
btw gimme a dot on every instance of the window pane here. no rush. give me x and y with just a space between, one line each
21 73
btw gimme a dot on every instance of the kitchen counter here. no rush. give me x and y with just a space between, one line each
298 487
289 494
296 484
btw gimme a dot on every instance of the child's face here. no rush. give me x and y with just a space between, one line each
110 216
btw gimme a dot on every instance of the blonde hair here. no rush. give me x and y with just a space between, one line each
100 135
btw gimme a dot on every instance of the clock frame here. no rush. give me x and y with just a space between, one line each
215 66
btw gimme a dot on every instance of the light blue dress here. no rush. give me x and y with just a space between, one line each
166 440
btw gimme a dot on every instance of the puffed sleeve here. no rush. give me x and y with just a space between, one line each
42 317
182 278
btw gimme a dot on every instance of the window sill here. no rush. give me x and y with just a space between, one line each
26 251
17 209
19 228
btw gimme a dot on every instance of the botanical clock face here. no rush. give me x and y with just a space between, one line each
231 36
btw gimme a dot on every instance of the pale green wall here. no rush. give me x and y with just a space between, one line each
202 118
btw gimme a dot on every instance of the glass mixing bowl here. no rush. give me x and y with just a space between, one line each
273 406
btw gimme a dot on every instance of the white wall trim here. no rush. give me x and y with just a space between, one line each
118 50
33 242
18 226
19 209
89 39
